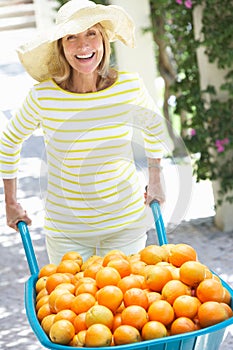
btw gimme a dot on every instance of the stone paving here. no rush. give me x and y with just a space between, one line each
193 226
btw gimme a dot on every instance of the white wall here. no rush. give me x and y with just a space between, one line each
45 11
142 57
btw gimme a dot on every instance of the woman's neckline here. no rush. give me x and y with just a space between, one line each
87 93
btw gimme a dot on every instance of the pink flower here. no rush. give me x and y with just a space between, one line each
179 2
188 4
225 141
220 144
220 149
193 132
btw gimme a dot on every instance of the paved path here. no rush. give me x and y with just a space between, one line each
192 224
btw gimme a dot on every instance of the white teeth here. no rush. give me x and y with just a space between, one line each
85 56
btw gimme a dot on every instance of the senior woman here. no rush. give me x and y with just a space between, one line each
87 111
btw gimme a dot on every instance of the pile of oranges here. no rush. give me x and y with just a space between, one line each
119 299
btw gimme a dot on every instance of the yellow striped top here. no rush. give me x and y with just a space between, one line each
92 182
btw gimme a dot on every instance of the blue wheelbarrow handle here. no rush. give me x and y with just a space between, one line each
28 247
159 224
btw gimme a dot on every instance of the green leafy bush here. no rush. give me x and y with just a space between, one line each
205 125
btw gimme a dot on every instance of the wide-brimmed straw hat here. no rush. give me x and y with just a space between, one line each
74 17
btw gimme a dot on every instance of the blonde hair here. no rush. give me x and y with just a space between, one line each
61 71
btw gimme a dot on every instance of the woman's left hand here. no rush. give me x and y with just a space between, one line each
154 192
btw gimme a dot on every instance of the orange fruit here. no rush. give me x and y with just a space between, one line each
186 306
174 289
107 276
141 279
70 266
153 296
182 325
47 270
62 332
136 296
134 315
211 313
80 322
133 257
78 340
52 298
87 288
43 300
63 301
113 254
41 284
77 277
98 335
116 251
82 303
92 269
156 277
226 296
197 323
216 277
69 287
152 330
41 293
175 271
145 269
152 254
43 311
137 267
69 275
161 311
91 260
121 265
47 323
228 309
181 253
163 263
168 247
210 290
84 280
128 282
208 273
65 315
73 256
192 273
126 334
99 314
110 296
120 308
54 280
116 321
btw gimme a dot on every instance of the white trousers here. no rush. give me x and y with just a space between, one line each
127 241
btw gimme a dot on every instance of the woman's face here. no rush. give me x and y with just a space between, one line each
84 51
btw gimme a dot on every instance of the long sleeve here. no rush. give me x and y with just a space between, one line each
149 120
19 128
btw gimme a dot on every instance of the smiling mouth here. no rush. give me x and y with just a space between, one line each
85 57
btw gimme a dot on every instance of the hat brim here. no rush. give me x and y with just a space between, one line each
36 54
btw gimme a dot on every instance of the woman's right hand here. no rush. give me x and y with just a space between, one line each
14 214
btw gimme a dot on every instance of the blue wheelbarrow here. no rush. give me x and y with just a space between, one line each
209 338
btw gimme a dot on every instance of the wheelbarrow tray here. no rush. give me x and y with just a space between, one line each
209 338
